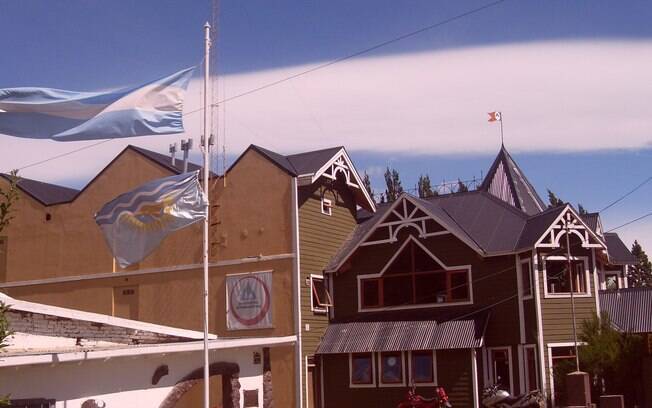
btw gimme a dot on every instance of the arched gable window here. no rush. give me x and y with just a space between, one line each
414 277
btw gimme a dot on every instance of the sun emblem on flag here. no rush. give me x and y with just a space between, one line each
151 215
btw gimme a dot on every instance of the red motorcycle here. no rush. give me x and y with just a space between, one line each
413 400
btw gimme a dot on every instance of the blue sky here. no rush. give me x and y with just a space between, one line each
570 77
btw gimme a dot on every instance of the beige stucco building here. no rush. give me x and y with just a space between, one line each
270 213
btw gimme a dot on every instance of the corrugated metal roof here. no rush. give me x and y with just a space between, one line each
359 337
630 309
619 254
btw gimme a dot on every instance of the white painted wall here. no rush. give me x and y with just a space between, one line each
122 381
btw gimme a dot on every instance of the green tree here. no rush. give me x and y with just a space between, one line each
553 199
640 274
393 182
612 358
461 187
581 209
424 187
8 199
366 181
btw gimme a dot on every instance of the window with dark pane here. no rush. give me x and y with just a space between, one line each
361 368
422 367
391 368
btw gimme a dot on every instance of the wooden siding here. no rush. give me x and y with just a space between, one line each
556 313
493 281
454 374
320 236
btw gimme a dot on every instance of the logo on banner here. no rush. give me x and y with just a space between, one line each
249 300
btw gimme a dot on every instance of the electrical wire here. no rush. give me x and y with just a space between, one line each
63 154
631 222
627 194
359 53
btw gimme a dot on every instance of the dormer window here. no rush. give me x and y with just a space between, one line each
326 206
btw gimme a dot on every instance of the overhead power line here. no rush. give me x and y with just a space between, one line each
631 222
308 71
64 154
627 194
359 53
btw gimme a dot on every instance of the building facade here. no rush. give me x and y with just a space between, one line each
272 215
464 290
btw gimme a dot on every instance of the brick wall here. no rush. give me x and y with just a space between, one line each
47 325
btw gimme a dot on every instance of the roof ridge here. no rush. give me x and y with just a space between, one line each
315 151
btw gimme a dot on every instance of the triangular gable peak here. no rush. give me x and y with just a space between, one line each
404 213
506 181
569 220
341 163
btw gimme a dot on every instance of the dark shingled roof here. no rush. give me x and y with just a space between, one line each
490 222
591 220
525 196
45 193
301 163
359 337
629 309
165 160
311 162
537 225
619 254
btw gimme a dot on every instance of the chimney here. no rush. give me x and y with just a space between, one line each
186 146
173 152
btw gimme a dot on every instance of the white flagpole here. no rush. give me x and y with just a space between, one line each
207 143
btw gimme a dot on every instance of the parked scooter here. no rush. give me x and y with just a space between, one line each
494 397
413 400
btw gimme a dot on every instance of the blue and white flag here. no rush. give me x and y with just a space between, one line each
135 223
44 113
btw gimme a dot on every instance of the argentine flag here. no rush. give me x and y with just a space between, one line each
45 113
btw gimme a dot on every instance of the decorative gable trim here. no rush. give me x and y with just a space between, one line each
340 163
395 210
405 217
568 217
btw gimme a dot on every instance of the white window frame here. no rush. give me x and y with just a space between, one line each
373 372
313 307
492 380
445 267
381 384
587 281
326 206
434 369
521 289
619 274
532 347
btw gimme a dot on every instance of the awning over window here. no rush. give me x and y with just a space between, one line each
360 337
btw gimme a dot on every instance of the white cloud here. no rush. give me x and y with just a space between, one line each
572 96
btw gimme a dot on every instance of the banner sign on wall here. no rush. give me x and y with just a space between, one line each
249 301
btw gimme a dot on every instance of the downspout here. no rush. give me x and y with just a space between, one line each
296 286
537 300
